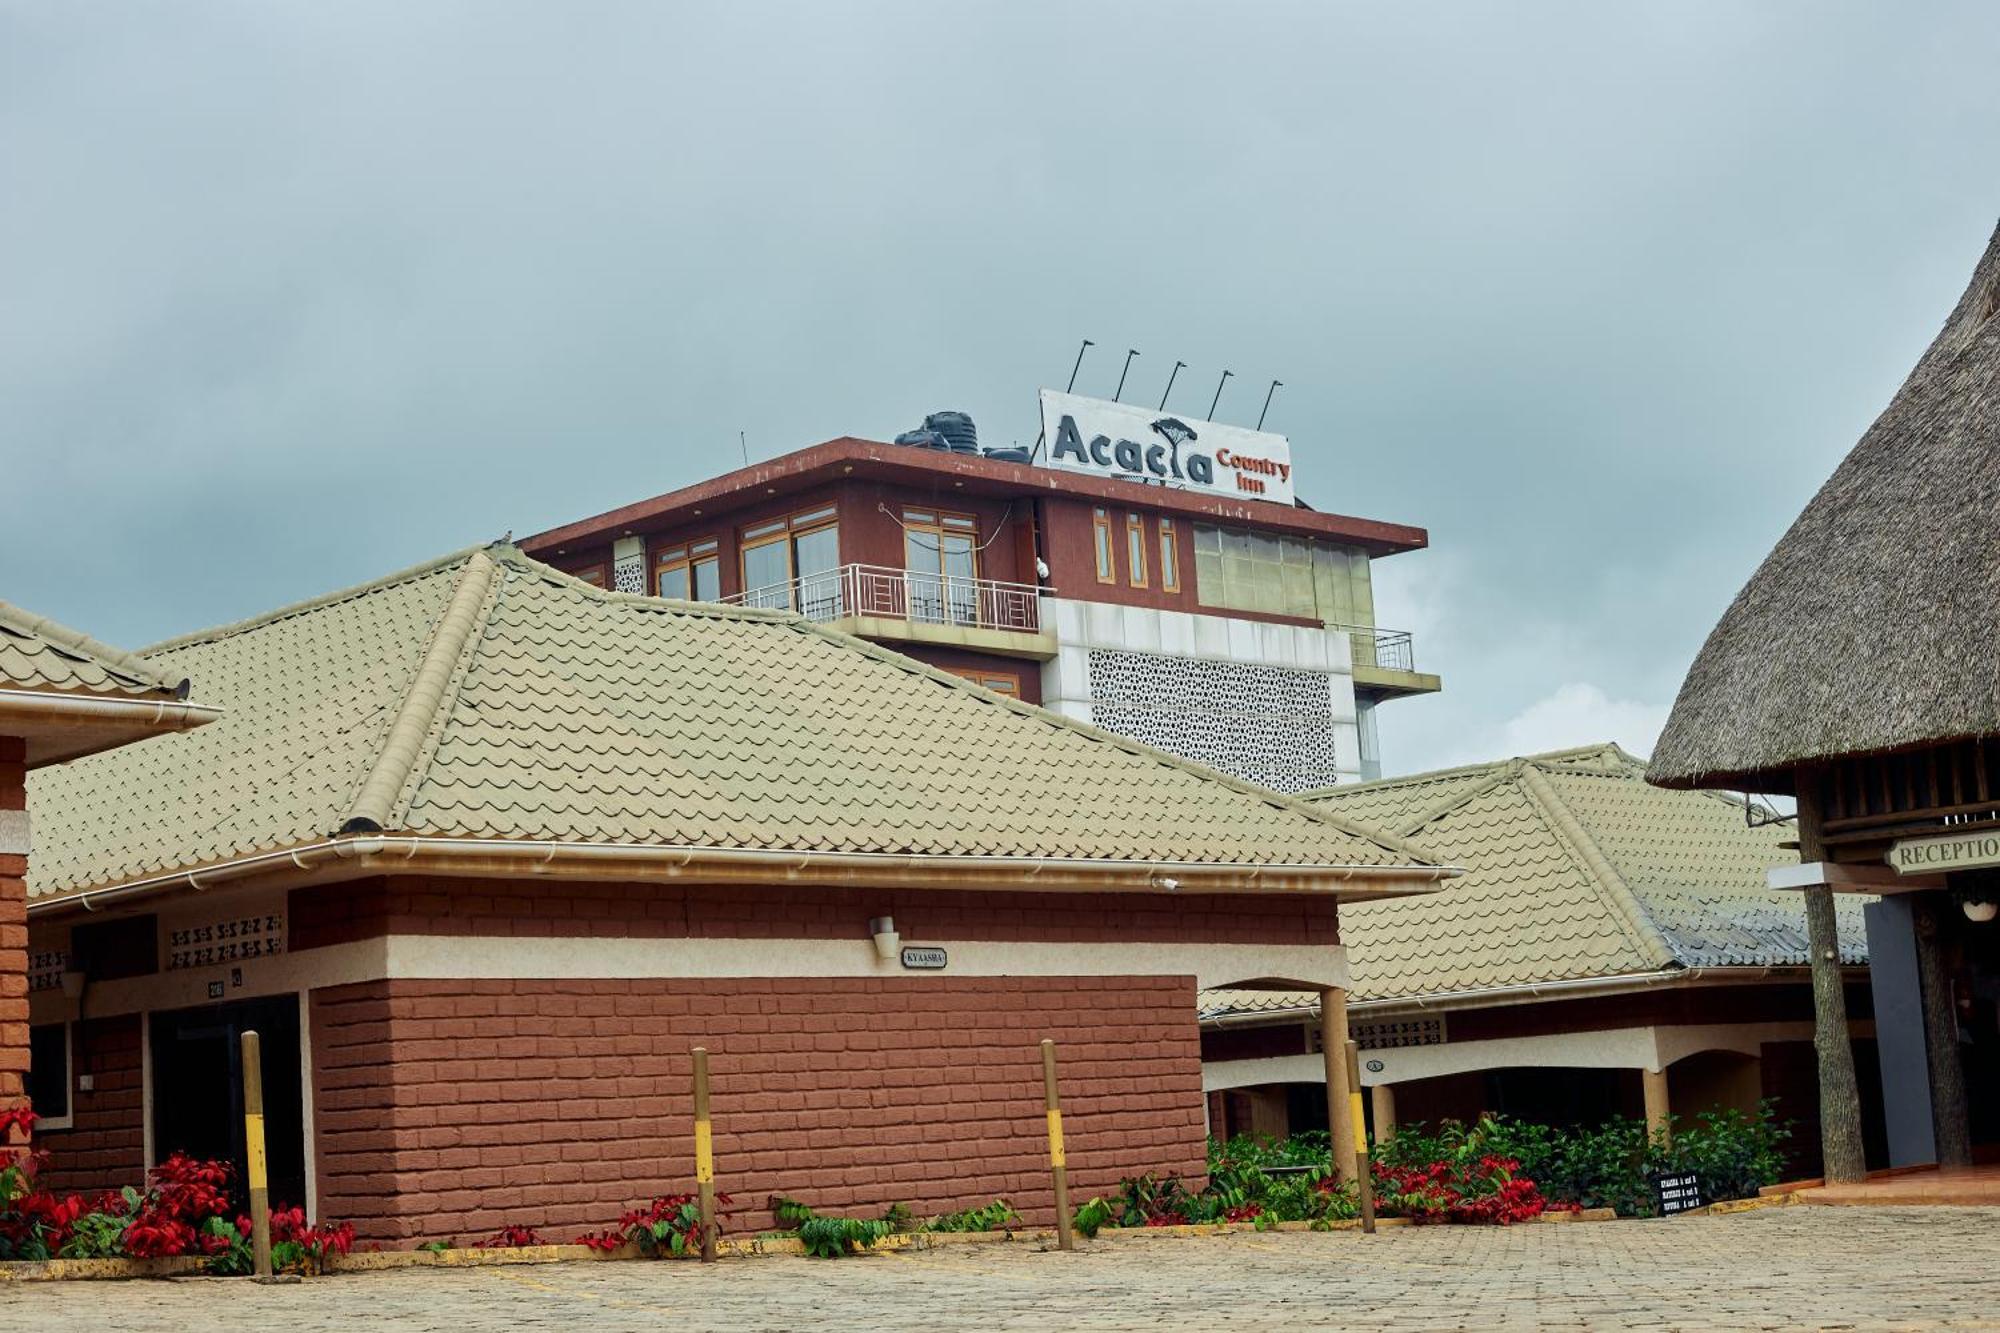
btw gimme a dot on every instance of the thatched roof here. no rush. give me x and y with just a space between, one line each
1872 626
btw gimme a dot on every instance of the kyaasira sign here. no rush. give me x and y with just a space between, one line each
1126 440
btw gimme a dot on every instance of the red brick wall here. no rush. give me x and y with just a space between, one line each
337 913
13 933
105 1146
446 1109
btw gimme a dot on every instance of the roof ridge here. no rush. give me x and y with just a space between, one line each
404 743
1463 770
1639 923
1430 814
116 660
233 628
1380 837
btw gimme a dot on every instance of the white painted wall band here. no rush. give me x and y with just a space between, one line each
487 958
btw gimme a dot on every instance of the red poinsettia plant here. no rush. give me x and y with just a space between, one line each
1487 1189
668 1226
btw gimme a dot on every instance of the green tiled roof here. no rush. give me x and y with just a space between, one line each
1575 869
38 654
485 695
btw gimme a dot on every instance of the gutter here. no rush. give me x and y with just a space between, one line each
1497 995
353 856
152 714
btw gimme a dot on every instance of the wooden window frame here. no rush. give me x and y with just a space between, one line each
1170 557
1104 550
1135 549
938 522
986 678
686 556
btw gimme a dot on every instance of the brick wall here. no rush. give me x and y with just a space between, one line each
105 1146
13 933
337 913
446 1109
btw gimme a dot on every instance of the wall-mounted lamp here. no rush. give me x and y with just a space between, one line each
72 984
887 942
1169 883
1981 912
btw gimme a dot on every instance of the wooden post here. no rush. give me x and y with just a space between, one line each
253 1151
1839 1096
1360 1123
1333 1043
1058 1163
704 1155
1948 1116
1383 1095
1659 1118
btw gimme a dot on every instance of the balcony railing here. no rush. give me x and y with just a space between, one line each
902 594
1387 649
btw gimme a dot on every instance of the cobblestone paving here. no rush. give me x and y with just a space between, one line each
1777 1268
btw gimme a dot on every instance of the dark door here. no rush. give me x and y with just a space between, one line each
198 1089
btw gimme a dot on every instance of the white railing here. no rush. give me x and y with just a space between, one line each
902 594
1386 648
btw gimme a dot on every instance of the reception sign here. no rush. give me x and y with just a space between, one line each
1931 856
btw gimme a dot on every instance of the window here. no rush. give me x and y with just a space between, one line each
48 1075
1170 558
941 555
1282 575
1135 548
998 682
793 564
692 573
593 575
1107 570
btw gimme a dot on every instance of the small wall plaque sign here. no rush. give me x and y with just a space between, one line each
923 959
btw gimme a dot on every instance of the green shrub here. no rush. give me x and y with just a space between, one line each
996 1216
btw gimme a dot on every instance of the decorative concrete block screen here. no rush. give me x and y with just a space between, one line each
1274 726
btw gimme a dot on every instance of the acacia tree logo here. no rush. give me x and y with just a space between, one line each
1177 433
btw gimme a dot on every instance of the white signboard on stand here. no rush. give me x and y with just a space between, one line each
1136 443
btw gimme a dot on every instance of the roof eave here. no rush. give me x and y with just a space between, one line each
848 455
60 726
357 856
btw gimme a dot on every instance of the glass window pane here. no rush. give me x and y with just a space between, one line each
1170 567
1104 552
708 580
818 550
767 574
1207 538
674 582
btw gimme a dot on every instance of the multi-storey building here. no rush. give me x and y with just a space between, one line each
1237 632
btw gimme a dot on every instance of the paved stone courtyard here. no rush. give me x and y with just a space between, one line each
1776 1268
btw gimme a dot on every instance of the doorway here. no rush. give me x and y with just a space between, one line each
198 1089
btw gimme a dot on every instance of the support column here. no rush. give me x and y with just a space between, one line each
1839 1097
1383 1095
1654 1082
1333 1042
1947 1077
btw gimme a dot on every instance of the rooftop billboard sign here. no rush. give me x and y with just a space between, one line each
1126 440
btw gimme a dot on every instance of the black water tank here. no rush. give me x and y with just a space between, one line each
957 429
1016 454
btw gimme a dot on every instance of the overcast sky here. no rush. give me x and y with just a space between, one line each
294 295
